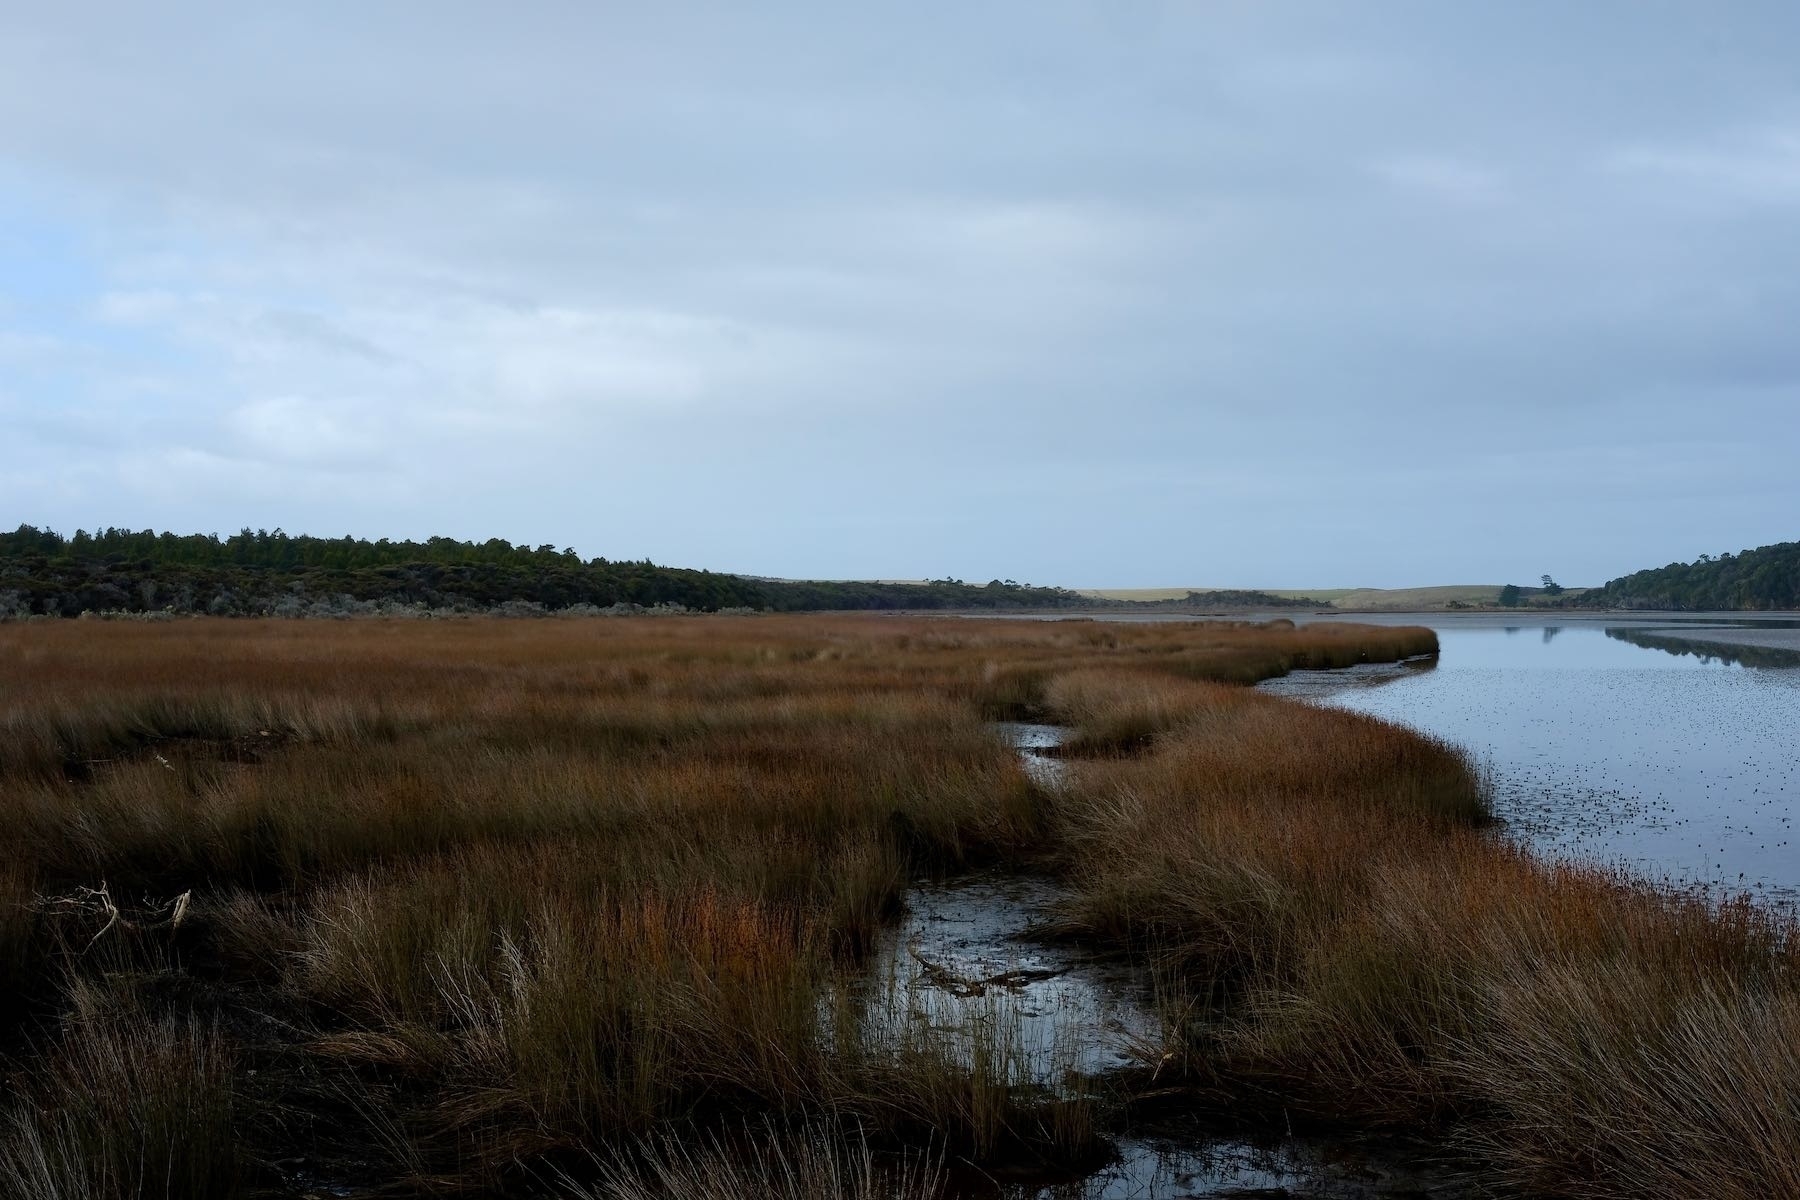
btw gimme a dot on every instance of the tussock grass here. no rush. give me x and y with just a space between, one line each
129 1105
568 1014
473 893
475 899
1118 711
813 1163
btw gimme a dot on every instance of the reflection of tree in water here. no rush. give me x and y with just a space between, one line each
1708 652
1550 631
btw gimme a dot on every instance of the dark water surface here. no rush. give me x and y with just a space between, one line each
1670 747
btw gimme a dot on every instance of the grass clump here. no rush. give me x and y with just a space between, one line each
126 1105
814 1163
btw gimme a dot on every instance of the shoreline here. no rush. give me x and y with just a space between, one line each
1761 630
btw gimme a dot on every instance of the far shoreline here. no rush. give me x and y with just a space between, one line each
1760 629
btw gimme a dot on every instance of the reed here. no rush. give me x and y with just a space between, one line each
773 1161
516 889
129 1105
448 906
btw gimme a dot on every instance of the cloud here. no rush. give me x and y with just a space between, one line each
1442 177
1760 167
1079 294
298 429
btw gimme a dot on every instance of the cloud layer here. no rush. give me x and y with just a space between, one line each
1221 294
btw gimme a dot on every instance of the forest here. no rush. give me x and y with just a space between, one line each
262 573
1764 578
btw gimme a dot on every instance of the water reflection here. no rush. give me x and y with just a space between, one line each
1734 653
1191 1165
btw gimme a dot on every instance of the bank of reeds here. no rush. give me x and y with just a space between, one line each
472 905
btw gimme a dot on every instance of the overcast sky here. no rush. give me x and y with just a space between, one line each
1276 294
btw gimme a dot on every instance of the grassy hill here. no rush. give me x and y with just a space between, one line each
1420 599
1153 595
1414 599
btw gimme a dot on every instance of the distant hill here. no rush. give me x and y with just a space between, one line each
261 573
1477 595
1421 599
1474 595
1217 598
1765 578
1278 596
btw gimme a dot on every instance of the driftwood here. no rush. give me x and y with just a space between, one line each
937 975
167 914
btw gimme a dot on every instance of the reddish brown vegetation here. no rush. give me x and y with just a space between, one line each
470 898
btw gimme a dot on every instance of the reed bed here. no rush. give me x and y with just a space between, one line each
468 906
452 897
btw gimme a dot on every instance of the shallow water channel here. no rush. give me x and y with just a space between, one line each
970 960
1669 747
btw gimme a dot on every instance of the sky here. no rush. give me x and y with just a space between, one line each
1191 294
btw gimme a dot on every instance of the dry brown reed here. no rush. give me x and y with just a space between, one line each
472 894
515 888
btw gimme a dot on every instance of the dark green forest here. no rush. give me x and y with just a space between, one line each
259 573
1764 578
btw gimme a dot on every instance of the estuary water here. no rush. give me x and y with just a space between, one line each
1668 747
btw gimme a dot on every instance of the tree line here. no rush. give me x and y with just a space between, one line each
1765 578
263 573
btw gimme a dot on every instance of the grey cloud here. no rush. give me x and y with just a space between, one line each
1223 294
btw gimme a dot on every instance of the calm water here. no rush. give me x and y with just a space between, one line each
1661 747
